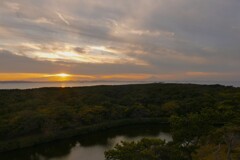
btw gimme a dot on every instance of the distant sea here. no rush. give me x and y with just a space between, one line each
31 85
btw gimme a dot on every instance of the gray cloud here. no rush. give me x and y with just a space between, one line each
80 50
11 63
173 36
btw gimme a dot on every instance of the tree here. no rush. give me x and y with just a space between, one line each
188 130
146 149
227 135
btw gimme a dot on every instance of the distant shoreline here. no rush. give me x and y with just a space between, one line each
22 85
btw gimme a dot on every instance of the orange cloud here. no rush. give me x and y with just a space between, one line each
20 76
42 77
69 77
46 77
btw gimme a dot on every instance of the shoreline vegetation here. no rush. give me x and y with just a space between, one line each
25 142
196 114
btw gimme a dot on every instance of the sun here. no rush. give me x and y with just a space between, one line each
63 75
59 77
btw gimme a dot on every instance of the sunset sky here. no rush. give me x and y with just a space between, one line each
60 40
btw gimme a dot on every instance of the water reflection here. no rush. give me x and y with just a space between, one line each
63 85
88 147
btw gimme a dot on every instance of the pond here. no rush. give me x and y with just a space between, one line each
88 147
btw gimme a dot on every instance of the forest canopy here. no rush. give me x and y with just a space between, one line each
50 111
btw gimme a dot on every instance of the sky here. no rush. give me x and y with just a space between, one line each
152 40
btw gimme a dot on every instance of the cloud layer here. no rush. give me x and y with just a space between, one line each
174 39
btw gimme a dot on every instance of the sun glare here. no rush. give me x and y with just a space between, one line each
63 75
60 77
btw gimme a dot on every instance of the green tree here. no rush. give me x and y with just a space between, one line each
227 135
188 130
146 149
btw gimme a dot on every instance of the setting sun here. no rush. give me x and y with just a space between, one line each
59 77
63 75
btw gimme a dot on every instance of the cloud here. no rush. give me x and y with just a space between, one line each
143 37
80 50
43 20
13 6
12 63
62 18
62 52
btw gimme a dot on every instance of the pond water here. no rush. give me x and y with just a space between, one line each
88 147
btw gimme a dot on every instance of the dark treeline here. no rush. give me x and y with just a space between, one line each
48 111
